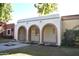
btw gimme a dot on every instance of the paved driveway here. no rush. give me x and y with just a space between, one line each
11 45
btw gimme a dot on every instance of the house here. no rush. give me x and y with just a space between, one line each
6 30
45 29
10 30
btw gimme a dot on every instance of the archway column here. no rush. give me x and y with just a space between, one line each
16 33
41 39
59 37
27 36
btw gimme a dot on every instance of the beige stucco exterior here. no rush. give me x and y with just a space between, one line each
70 24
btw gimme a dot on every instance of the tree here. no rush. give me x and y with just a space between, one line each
5 12
45 8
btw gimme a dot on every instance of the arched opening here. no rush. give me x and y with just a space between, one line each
34 34
49 34
22 34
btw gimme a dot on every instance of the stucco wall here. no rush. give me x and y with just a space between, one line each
69 24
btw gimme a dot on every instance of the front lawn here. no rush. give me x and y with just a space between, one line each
35 50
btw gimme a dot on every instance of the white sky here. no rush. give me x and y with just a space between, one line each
66 7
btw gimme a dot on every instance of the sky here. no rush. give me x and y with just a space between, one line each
27 10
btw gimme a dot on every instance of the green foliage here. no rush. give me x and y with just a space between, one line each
45 8
5 12
68 38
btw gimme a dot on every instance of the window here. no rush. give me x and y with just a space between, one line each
8 31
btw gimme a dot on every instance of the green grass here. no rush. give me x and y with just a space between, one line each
35 50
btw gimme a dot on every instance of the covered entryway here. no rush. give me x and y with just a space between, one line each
34 34
49 34
22 34
43 29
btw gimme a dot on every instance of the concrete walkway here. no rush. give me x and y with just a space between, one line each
11 45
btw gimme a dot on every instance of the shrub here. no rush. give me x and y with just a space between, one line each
68 38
